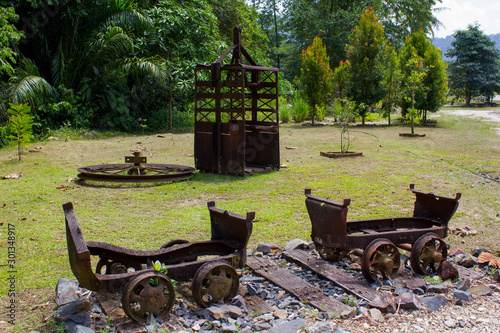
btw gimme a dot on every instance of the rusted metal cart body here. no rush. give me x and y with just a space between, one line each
236 114
334 236
210 264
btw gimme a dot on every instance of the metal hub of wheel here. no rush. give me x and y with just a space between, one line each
428 252
381 256
146 294
214 281
136 169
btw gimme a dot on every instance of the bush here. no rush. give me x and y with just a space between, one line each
4 131
300 109
285 110
320 112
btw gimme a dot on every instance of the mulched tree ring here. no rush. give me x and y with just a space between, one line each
414 135
338 154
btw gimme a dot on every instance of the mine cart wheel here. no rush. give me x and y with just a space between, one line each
173 243
330 253
427 253
133 173
214 281
380 256
113 267
148 293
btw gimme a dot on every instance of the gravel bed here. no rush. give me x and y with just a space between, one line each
283 313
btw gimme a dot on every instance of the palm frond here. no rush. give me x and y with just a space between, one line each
29 88
58 65
153 67
110 45
129 20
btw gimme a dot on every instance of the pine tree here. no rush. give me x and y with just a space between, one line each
316 75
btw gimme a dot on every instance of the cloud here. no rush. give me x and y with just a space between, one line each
461 13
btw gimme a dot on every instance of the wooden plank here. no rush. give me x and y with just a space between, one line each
353 286
299 288
257 306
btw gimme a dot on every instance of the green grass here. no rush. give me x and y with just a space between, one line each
144 216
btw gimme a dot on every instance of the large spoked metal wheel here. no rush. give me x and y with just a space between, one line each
381 257
427 253
135 173
214 281
329 253
146 294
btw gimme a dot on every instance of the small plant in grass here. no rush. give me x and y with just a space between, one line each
314 313
21 125
349 301
344 111
433 279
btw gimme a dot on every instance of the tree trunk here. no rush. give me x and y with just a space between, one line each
19 150
276 33
313 111
468 96
170 103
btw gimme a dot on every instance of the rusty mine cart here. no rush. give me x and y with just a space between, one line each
381 238
144 290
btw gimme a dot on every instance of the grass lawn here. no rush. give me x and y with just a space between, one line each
144 216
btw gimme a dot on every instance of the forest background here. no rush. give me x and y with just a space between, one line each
128 66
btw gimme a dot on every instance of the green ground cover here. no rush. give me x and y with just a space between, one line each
144 216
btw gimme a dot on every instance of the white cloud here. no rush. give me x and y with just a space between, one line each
461 13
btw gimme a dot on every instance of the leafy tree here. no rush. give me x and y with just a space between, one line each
20 125
315 75
365 54
183 37
88 46
391 82
432 94
333 21
341 80
435 81
417 74
476 64
8 35
236 13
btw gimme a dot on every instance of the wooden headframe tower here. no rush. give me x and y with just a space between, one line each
236 114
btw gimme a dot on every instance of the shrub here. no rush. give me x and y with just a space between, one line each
285 110
300 109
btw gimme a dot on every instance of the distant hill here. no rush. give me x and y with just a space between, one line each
445 43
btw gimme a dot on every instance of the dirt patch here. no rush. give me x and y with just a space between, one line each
487 115
35 310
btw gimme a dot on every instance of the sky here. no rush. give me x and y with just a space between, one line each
461 13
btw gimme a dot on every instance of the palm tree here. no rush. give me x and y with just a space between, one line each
88 47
